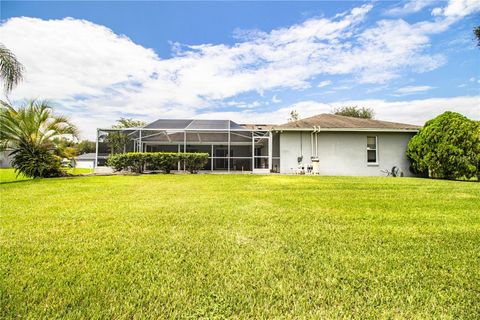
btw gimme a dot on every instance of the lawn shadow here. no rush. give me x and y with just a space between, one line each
15 181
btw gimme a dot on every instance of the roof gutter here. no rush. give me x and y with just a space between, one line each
345 130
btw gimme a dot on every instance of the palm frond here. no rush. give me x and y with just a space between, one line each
33 125
11 70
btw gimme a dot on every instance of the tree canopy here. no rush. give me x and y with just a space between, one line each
128 123
11 70
294 116
447 147
355 111
117 141
85 146
476 32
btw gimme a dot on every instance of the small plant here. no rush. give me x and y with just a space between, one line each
395 172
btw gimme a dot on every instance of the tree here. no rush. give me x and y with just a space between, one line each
117 141
447 147
128 123
65 148
476 32
85 146
29 132
294 116
355 111
11 71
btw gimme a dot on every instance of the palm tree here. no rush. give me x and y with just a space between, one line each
11 71
28 133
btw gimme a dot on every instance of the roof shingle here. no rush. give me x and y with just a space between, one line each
332 121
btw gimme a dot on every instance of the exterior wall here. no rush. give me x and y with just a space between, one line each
345 153
5 159
89 164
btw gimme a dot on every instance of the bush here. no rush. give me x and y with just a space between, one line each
137 161
447 147
37 163
195 161
133 162
162 161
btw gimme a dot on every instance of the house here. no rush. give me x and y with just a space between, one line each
325 144
5 159
345 145
86 160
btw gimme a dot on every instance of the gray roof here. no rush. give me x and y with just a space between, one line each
86 156
191 124
328 122
332 121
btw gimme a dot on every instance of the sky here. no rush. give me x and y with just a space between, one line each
251 62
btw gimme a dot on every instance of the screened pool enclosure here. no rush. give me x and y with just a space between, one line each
230 146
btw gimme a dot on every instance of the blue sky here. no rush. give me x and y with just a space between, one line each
247 61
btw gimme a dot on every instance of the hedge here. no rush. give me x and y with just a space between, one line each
137 162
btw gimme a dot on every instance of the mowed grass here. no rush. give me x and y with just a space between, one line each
239 246
9 175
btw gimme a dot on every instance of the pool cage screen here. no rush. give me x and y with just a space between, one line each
230 146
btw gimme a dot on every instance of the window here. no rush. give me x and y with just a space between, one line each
372 149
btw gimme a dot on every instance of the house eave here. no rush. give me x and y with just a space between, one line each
346 130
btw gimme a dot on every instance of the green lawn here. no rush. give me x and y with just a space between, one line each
9 175
239 246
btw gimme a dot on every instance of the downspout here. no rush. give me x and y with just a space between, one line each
301 144
311 140
316 142
314 136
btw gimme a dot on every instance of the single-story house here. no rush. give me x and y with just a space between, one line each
5 159
325 144
86 160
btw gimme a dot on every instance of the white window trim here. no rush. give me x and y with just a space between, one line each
373 164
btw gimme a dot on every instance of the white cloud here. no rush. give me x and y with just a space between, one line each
406 111
275 99
252 105
73 57
416 111
96 76
414 89
457 9
411 6
324 83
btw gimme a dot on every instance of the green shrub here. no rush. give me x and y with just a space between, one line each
133 162
195 161
165 161
447 147
162 161
37 163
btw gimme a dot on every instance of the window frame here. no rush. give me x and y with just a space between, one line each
373 149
